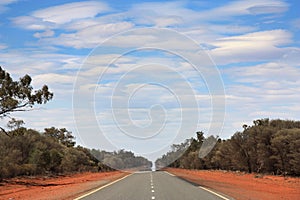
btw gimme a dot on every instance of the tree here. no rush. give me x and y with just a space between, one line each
62 136
15 124
19 95
286 144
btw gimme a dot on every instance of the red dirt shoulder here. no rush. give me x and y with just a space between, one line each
61 187
243 186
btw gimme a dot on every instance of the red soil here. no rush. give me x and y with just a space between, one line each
243 186
62 187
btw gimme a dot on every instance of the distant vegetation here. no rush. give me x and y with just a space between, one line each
267 146
122 160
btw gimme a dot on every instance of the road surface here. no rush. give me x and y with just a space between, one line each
151 185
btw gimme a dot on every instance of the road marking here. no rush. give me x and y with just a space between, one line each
204 188
222 197
152 190
100 188
169 173
141 172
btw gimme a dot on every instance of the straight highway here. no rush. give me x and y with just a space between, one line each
149 186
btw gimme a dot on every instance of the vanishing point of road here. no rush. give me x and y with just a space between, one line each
152 186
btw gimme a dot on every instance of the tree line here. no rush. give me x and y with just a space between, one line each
29 152
266 146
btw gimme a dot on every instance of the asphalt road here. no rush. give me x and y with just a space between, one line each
151 185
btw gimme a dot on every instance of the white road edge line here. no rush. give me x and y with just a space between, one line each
169 173
204 188
214 193
100 188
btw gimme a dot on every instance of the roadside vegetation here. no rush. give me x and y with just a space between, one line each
29 152
266 146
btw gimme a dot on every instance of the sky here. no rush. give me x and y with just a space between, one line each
142 75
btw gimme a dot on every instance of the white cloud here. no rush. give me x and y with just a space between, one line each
72 11
256 46
239 8
33 23
52 78
269 8
81 24
47 33
3 46
161 14
58 16
283 70
4 4
168 21
29 61
230 28
90 36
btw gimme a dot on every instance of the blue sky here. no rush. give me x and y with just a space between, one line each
254 44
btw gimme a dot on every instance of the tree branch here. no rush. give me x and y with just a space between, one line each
15 109
4 131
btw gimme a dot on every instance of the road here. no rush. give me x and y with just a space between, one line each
151 185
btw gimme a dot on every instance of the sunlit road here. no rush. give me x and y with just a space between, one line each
151 185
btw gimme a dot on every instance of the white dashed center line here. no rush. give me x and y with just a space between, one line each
152 186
